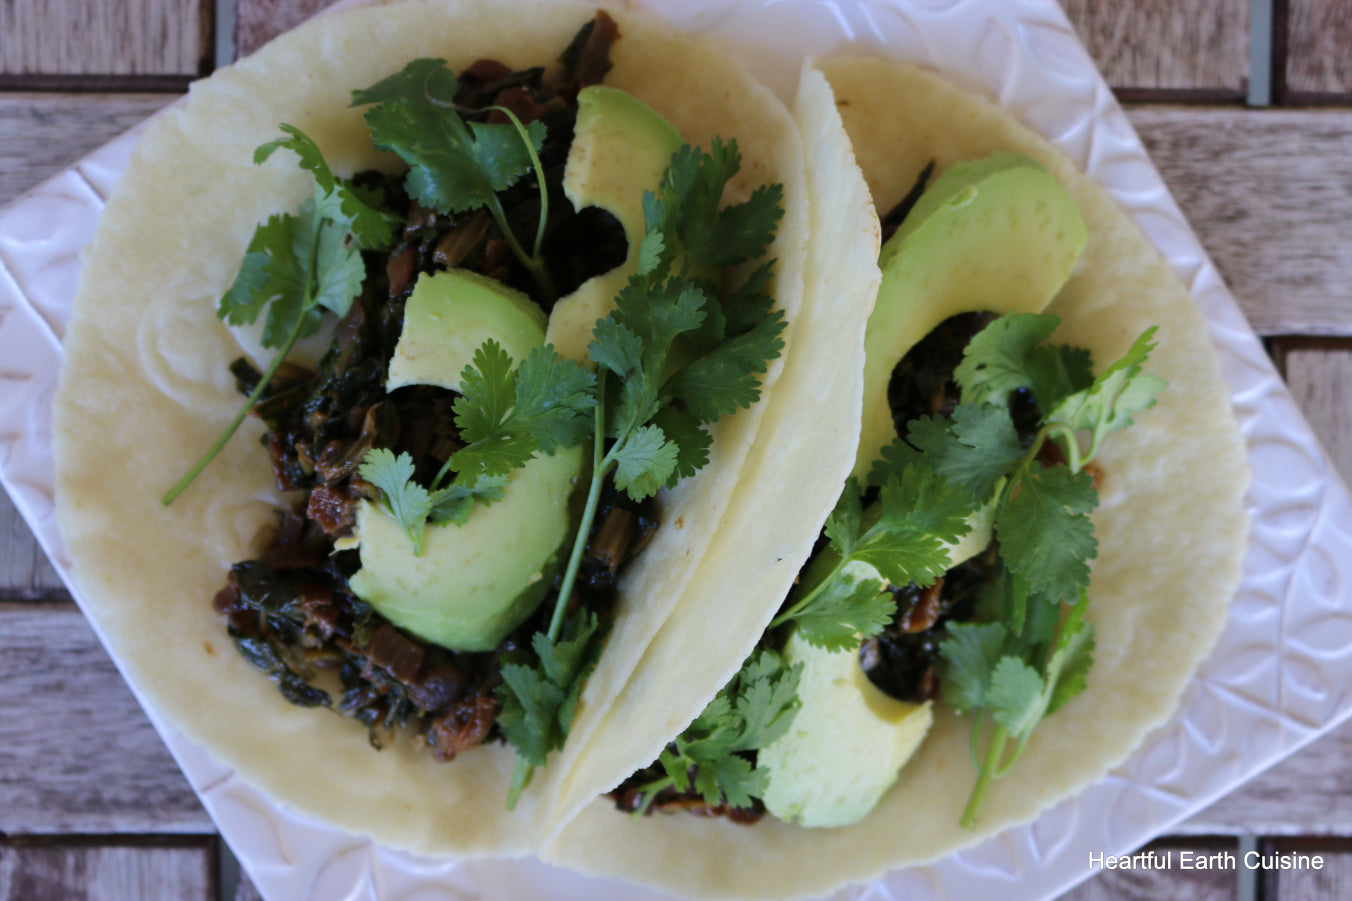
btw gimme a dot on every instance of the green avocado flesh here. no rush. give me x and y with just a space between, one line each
998 234
472 584
818 783
621 148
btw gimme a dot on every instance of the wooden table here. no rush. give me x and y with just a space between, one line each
91 806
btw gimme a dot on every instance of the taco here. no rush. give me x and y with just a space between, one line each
1170 528
397 440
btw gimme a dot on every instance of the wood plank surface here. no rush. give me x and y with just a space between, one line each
111 37
1320 378
25 572
1270 194
259 21
1200 48
76 752
1157 884
1332 880
173 870
41 134
1319 50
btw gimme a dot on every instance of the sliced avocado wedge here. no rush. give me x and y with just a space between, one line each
847 743
621 148
473 584
998 234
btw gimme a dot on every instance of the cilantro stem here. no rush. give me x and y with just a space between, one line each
802 603
182 484
601 466
649 793
539 179
984 777
282 353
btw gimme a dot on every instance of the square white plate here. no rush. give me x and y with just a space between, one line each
1273 683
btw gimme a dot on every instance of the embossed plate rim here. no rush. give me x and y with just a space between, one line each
1180 768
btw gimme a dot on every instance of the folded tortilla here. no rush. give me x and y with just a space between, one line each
146 387
1171 527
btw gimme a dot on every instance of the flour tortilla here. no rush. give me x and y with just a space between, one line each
146 388
1171 528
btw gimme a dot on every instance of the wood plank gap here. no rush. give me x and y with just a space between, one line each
1280 345
1191 96
92 84
203 840
207 25
1281 49
1316 98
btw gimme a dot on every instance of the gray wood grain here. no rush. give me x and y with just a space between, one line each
1157 884
1200 46
1320 378
41 134
1303 882
172 871
24 569
259 21
1319 47
76 752
1269 192
114 37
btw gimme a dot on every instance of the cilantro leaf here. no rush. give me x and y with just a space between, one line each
853 605
1014 698
644 462
974 449
1045 532
456 501
1120 391
356 210
508 414
756 707
553 399
452 168
727 378
1072 656
969 652
692 442
842 526
711 237
539 696
997 360
406 500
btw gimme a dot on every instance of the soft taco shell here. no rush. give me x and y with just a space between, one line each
1171 530
145 389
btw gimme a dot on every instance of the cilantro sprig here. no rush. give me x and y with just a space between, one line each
506 414
1023 658
713 754
454 166
296 267
672 357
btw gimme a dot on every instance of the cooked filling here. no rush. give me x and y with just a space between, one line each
290 611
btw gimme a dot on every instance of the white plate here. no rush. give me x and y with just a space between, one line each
1272 685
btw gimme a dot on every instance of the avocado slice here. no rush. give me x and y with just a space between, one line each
472 584
818 783
997 234
621 148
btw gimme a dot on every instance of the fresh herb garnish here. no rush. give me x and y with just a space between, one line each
1023 658
507 414
413 506
296 267
713 754
456 167
538 695
904 539
670 359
